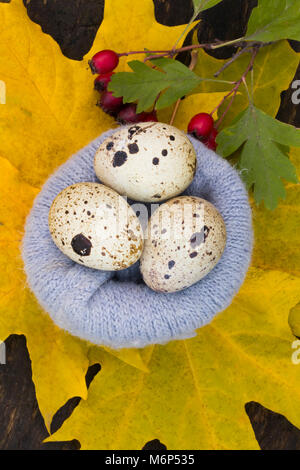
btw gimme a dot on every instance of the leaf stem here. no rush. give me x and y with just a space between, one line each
227 43
218 81
195 14
247 91
174 111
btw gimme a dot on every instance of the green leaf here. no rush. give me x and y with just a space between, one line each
272 20
173 81
201 5
263 161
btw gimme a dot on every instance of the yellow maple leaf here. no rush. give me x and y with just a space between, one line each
277 232
197 386
57 357
294 320
50 107
50 113
195 393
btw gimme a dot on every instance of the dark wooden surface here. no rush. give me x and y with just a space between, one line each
74 24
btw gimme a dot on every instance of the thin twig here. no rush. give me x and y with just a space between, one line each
222 100
215 45
230 61
244 49
144 51
234 90
172 52
226 110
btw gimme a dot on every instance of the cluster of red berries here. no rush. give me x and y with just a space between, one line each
103 63
202 127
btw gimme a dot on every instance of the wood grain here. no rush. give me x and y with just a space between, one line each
22 425
72 23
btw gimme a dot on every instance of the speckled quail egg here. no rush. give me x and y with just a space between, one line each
185 239
148 162
94 226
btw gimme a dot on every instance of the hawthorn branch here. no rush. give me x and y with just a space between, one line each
173 52
154 54
233 59
166 52
234 90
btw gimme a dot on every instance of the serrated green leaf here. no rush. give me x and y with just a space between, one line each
263 161
272 20
173 81
201 5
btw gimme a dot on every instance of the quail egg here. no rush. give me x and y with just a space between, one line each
185 239
148 162
94 226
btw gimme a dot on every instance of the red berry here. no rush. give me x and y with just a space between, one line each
212 135
210 141
201 125
148 117
128 114
212 145
104 61
110 104
101 82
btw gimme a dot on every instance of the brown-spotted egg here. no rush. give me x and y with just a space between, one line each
185 239
149 161
94 226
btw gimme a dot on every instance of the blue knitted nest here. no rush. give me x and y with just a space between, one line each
117 309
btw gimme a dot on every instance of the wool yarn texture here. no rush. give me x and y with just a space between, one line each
117 309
